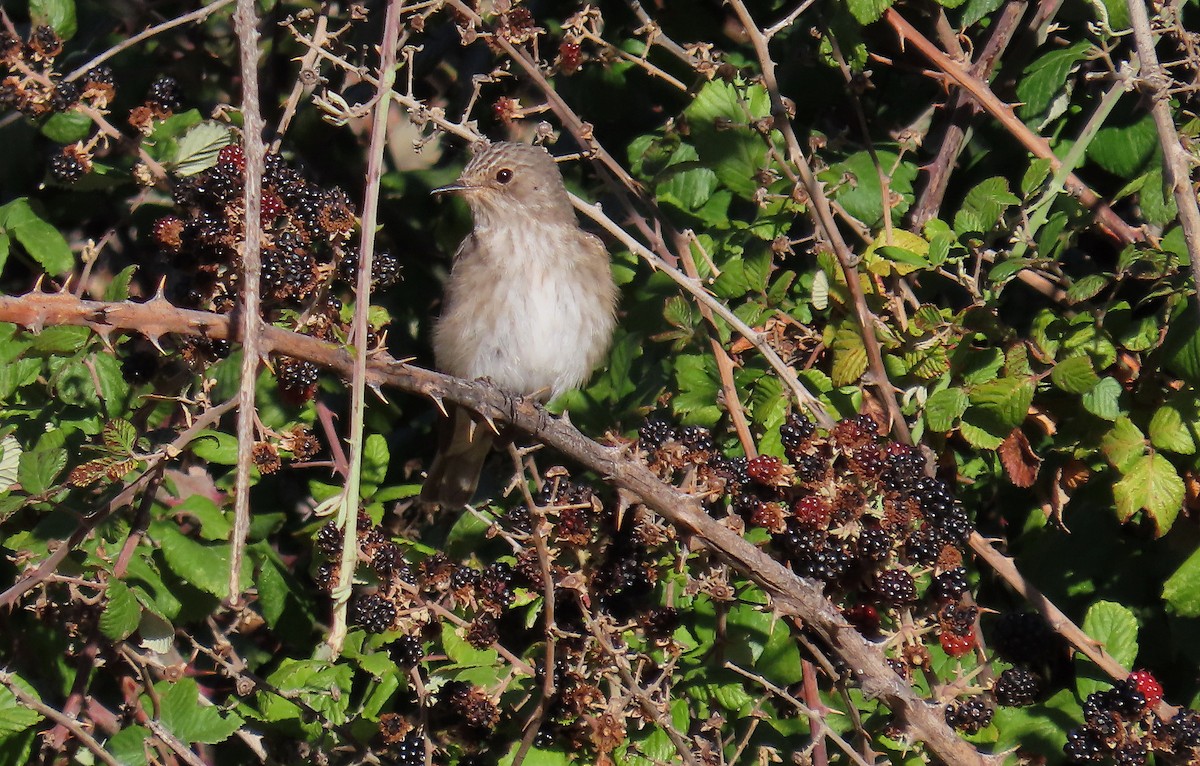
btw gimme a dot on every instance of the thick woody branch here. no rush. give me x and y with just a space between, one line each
790 595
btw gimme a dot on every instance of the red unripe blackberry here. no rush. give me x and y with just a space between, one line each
232 156
272 208
569 57
1017 687
1148 685
864 617
765 469
812 511
895 587
956 645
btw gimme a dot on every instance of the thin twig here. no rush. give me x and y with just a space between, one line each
348 513
187 18
1177 159
246 24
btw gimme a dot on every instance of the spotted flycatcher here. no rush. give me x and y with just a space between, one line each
529 303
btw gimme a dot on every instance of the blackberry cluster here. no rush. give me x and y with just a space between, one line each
32 86
1117 725
374 613
970 715
306 236
406 651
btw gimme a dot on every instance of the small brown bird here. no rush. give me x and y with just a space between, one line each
530 302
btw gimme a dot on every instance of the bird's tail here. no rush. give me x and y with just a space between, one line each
463 445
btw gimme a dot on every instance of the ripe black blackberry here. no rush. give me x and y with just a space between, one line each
957 618
795 433
66 95
329 540
45 43
923 546
895 587
297 378
970 715
410 751
66 167
1131 754
660 622
875 544
810 468
951 584
495 585
220 185
1084 746
654 432
1127 699
696 439
1017 687
406 651
388 559
287 274
385 270
373 612
164 93
464 577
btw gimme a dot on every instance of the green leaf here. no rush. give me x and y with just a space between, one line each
67 127
1075 375
1116 629
719 121
214 523
462 654
59 14
1036 174
861 194
204 566
1001 405
14 716
1152 485
849 357
684 182
40 468
113 387
1123 445
1046 78
1182 588
375 460
1171 431
944 407
182 713
1088 287
10 461
1104 399
1125 150
1157 201
983 206
121 612
698 382
45 245
198 148
868 11
215 447
118 286
128 745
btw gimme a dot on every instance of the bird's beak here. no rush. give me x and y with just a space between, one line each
454 187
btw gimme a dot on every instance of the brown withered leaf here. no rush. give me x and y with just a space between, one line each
1019 459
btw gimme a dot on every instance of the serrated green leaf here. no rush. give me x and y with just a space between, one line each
462 654
1001 405
1036 174
1123 445
45 245
719 120
1046 78
1170 431
1115 628
1104 399
983 206
204 566
119 436
182 713
38 469
198 148
943 408
128 745
1088 287
14 716
121 611
856 180
375 459
977 436
1075 374
1152 485
10 460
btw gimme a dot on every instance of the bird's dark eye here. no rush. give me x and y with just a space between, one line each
503 175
